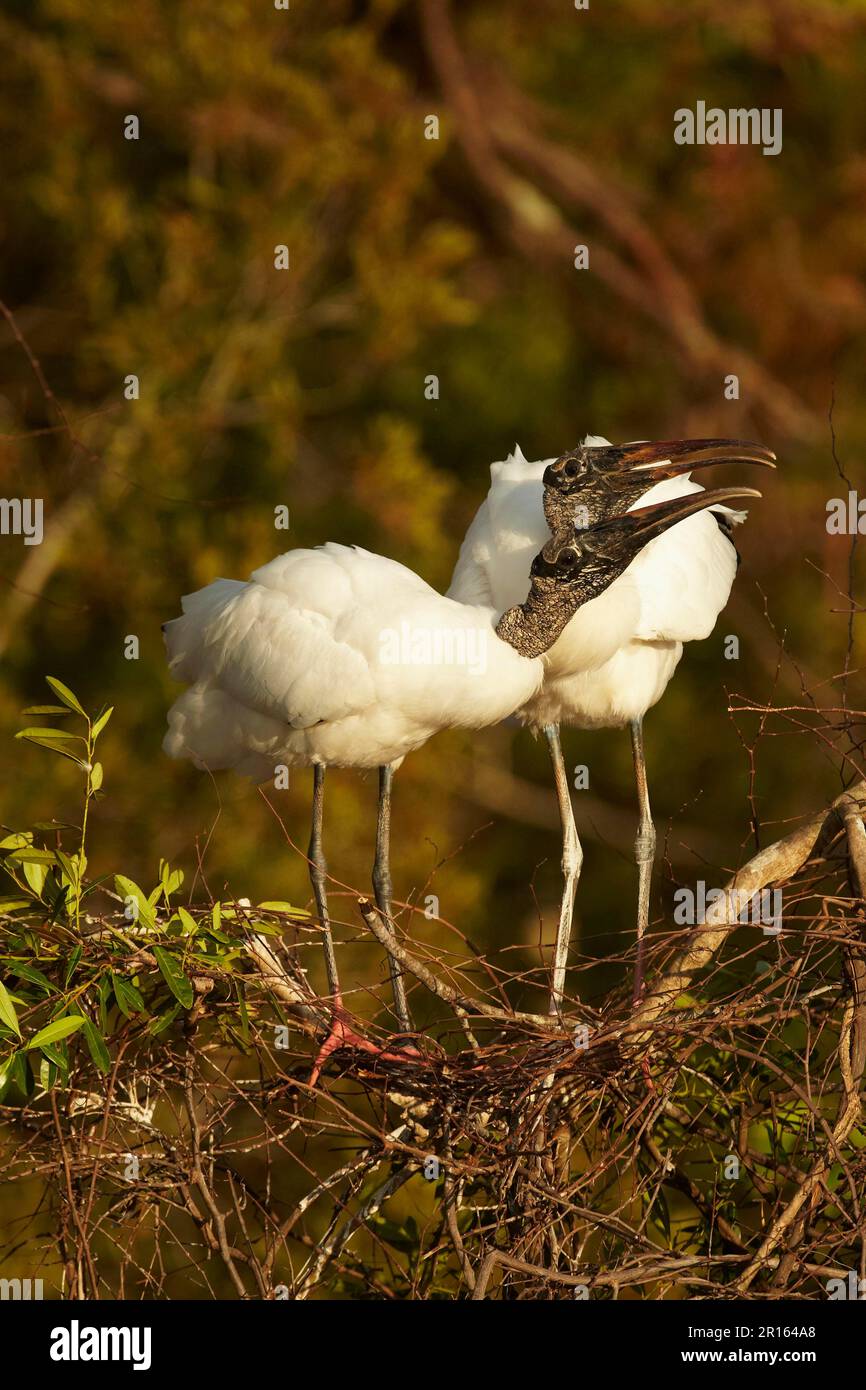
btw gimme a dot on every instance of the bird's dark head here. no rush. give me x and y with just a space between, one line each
589 560
595 481
576 566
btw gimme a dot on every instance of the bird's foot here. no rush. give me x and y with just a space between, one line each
342 1034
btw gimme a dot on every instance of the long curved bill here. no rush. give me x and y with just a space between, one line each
630 532
668 458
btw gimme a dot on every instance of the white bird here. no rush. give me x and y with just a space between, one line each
614 659
336 657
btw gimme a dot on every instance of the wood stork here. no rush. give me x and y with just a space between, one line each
614 659
336 657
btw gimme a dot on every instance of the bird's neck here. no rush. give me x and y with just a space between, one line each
533 627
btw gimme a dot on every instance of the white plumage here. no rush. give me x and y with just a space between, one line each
337 657
614 659
311 661
616 656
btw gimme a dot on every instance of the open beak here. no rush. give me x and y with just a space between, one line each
633 530
656 459
667 458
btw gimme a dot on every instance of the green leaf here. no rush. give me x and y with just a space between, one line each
35 875
73 965
54 746
187 921
13 904
47 709
101 722
174 977
53 1032
48 1074
65 694
96 1045
131 893
18 1073
59 1058
69 866
29 972
7 1011
104 991
172 879
159 1025
17 840
33 856
96 777
46 732
283 907
129 999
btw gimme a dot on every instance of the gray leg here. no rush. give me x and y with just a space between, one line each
318 869
572 860
644 853
382 890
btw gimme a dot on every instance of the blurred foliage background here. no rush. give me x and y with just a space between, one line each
306 387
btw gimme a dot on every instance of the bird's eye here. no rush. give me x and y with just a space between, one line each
571 469
567 557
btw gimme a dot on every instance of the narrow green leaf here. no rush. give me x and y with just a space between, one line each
283 907
7 1011
96 1045
174 977
47 709
104 992
46 732
187 921
33 856
19 1072
102 721
59 1057
35 875
69 866
73 965
135 902
54 746
53 1032
129 999
172 879
65 694
96 777
29 972
48 1074
159 1025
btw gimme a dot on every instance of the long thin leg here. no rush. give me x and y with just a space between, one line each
318 870
644 853
341 1033
383 890
572 860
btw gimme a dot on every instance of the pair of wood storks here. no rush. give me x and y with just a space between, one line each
578 582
